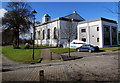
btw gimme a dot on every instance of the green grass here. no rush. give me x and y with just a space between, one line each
21 55
65 50
62 50
110 48
0 49
25 55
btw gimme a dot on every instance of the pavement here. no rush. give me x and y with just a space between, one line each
48 56
91 67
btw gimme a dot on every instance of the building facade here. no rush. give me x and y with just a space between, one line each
53 32
101 32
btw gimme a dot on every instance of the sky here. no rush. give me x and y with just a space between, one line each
87 10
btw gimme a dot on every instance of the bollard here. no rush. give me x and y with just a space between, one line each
51 55
41 74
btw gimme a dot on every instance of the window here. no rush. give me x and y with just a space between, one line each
83 30
43 34
106 41
47 19
84 39
97 39
97 28
113 29
114 39
76 34
106 28
35 36
38 34
55 32
48 33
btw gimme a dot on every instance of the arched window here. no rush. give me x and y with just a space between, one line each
43 34
38 34
48 33
55 33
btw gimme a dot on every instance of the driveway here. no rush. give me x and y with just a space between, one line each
97 67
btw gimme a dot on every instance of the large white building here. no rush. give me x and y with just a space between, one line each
51 32
101 32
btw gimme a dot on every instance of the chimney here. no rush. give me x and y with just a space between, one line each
75 12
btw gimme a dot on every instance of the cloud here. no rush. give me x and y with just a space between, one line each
2 12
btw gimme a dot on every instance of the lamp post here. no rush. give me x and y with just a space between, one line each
71 21
34 12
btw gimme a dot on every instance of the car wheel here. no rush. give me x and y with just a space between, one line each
90 51
78 50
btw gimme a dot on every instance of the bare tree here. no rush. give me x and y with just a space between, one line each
69 32
115 10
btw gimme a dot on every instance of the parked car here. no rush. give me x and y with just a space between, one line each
87 47
76 43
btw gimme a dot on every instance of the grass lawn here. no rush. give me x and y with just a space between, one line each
61 50
0 49
21 55
65 50
25 55
110 48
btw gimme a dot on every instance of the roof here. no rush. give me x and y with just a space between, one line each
74 13
60 18
46 15
65 18
103 19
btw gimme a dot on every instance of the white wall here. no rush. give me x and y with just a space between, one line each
60 25
91 32
46 41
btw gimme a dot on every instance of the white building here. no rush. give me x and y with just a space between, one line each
51 32
100 32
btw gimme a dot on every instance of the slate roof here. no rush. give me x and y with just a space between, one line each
65 18
101 18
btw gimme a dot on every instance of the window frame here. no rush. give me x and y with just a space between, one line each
98 39
43 34
48 33
83 30
83 40
97 28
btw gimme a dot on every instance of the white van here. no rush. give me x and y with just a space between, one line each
76 43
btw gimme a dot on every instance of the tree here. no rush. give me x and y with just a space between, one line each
69 32
7 36
18 18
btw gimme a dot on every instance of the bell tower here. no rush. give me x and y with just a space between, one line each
45 18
